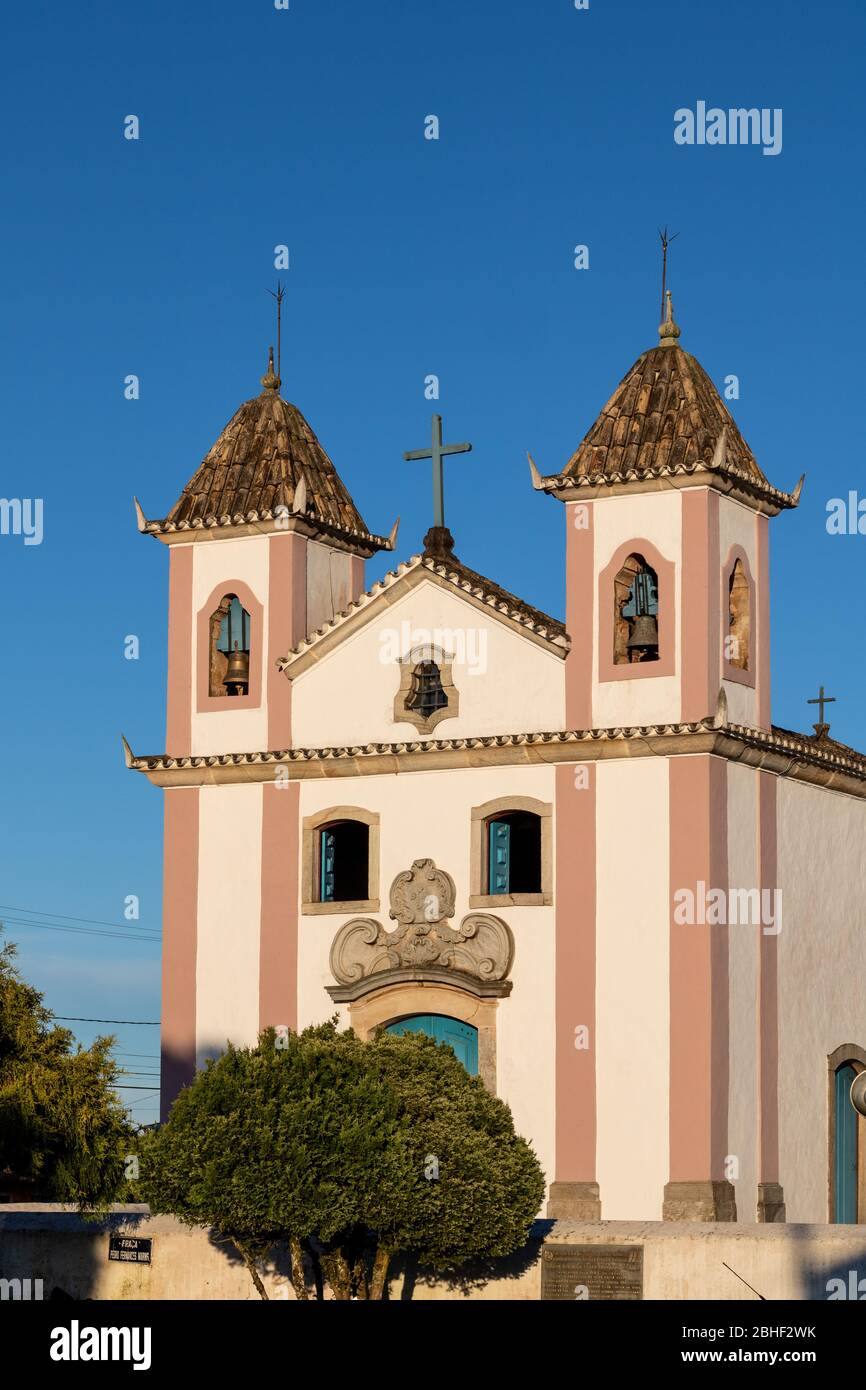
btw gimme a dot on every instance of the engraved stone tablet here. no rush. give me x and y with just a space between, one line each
600 1272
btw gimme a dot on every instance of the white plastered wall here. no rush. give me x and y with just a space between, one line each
427 815
215 563
329 583
507 683
656 517
743 987
229 917
822 975
633 987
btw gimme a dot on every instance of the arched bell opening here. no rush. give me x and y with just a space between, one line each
636 607
229 667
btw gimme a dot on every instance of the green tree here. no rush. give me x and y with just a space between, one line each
357 1151
62 1128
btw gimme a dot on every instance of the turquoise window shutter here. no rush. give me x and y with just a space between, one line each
327 863
499 857
462 1038
846 1147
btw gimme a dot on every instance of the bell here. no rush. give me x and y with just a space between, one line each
237 676
644 633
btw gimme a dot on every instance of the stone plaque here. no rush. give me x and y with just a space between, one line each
600 1272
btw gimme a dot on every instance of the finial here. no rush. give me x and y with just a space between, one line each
668 331
270 380
438 543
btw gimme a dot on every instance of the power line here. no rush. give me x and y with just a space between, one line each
64 916
136 1088
144 933
133 1022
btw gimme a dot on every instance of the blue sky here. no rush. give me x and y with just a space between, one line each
305 127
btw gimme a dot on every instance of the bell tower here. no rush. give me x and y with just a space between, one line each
265 545
667 516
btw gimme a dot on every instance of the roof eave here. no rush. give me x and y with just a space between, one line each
266 522
787 756
735 482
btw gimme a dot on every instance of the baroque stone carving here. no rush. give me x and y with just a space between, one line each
422 894
422 899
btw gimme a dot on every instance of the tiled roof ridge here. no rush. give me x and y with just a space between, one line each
457 574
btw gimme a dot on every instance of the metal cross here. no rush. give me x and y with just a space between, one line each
822 700
279 296
437 452
666 238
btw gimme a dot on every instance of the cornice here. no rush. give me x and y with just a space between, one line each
785 755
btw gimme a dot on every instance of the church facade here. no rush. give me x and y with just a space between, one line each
579 852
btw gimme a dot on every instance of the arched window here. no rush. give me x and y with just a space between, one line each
229 665
847 1136
511 853
344 862
739 618
340 861
845 1165
635 618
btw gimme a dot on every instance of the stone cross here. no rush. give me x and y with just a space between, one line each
821 701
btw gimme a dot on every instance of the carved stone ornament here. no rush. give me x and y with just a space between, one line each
479 952
422 894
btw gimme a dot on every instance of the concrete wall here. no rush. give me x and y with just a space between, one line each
682 1261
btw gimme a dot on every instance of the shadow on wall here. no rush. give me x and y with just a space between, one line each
276 1268
68 1267
407 1274
825 1276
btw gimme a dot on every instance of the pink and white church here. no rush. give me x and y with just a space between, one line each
581 853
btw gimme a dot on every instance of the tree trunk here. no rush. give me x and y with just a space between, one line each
380 1273
359 1279
338 1275
254 1273
300 1287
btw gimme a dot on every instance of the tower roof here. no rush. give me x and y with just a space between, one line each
665 419
265 462
257 463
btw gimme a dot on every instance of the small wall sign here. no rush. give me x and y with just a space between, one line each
132 1249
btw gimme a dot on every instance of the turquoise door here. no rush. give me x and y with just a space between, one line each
846 1147
461 1037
